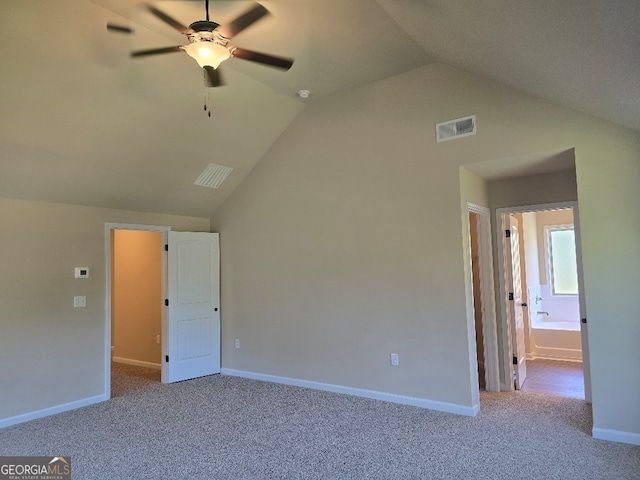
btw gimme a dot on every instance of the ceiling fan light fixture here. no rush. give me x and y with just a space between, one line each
207 54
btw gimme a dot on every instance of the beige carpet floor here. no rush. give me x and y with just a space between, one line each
222 427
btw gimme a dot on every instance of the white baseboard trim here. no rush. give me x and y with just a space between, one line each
358 392
616 436
136 363
45 412
566 354
542 356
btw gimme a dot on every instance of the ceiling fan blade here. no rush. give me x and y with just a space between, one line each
169 20
213 78
156 51
112 27
243 21
263 58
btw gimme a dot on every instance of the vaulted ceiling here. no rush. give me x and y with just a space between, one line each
83 123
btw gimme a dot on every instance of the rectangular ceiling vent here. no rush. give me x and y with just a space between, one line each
213 176
460 127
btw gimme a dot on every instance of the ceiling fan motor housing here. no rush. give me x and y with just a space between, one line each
204 26
205 31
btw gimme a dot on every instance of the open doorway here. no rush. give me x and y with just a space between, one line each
136 270
187 345
477 298
482 295
542 300
136 309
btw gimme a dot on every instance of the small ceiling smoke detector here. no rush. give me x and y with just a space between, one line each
304 93
213 176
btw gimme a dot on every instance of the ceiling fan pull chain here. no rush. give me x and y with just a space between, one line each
205 93
207 107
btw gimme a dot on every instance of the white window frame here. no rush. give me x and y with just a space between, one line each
548 230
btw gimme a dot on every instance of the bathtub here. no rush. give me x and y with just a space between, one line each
554 329
556 343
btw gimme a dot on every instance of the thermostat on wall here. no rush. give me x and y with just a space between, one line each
82 272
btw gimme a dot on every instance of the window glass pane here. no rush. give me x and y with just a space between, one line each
563 262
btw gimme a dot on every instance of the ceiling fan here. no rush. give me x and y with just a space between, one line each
209 42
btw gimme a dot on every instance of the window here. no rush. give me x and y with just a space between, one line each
562 271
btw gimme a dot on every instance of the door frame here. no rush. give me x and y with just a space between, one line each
487 295
108 248
505 326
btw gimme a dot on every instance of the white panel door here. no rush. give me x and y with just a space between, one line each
193 333
515 304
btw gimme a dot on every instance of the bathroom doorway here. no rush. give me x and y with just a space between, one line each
547 351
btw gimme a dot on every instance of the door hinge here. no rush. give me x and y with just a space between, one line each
510 295
166 358
166 247
166 302
515 360
507 233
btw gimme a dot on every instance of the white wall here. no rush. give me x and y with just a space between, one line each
344 243
531 251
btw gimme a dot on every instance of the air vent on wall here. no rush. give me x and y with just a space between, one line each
460 127
213 176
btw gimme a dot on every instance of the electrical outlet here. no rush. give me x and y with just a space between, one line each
79 301
237 343
394 360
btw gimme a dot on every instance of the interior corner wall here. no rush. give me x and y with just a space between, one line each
473 189
136 295
52 354
344 242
